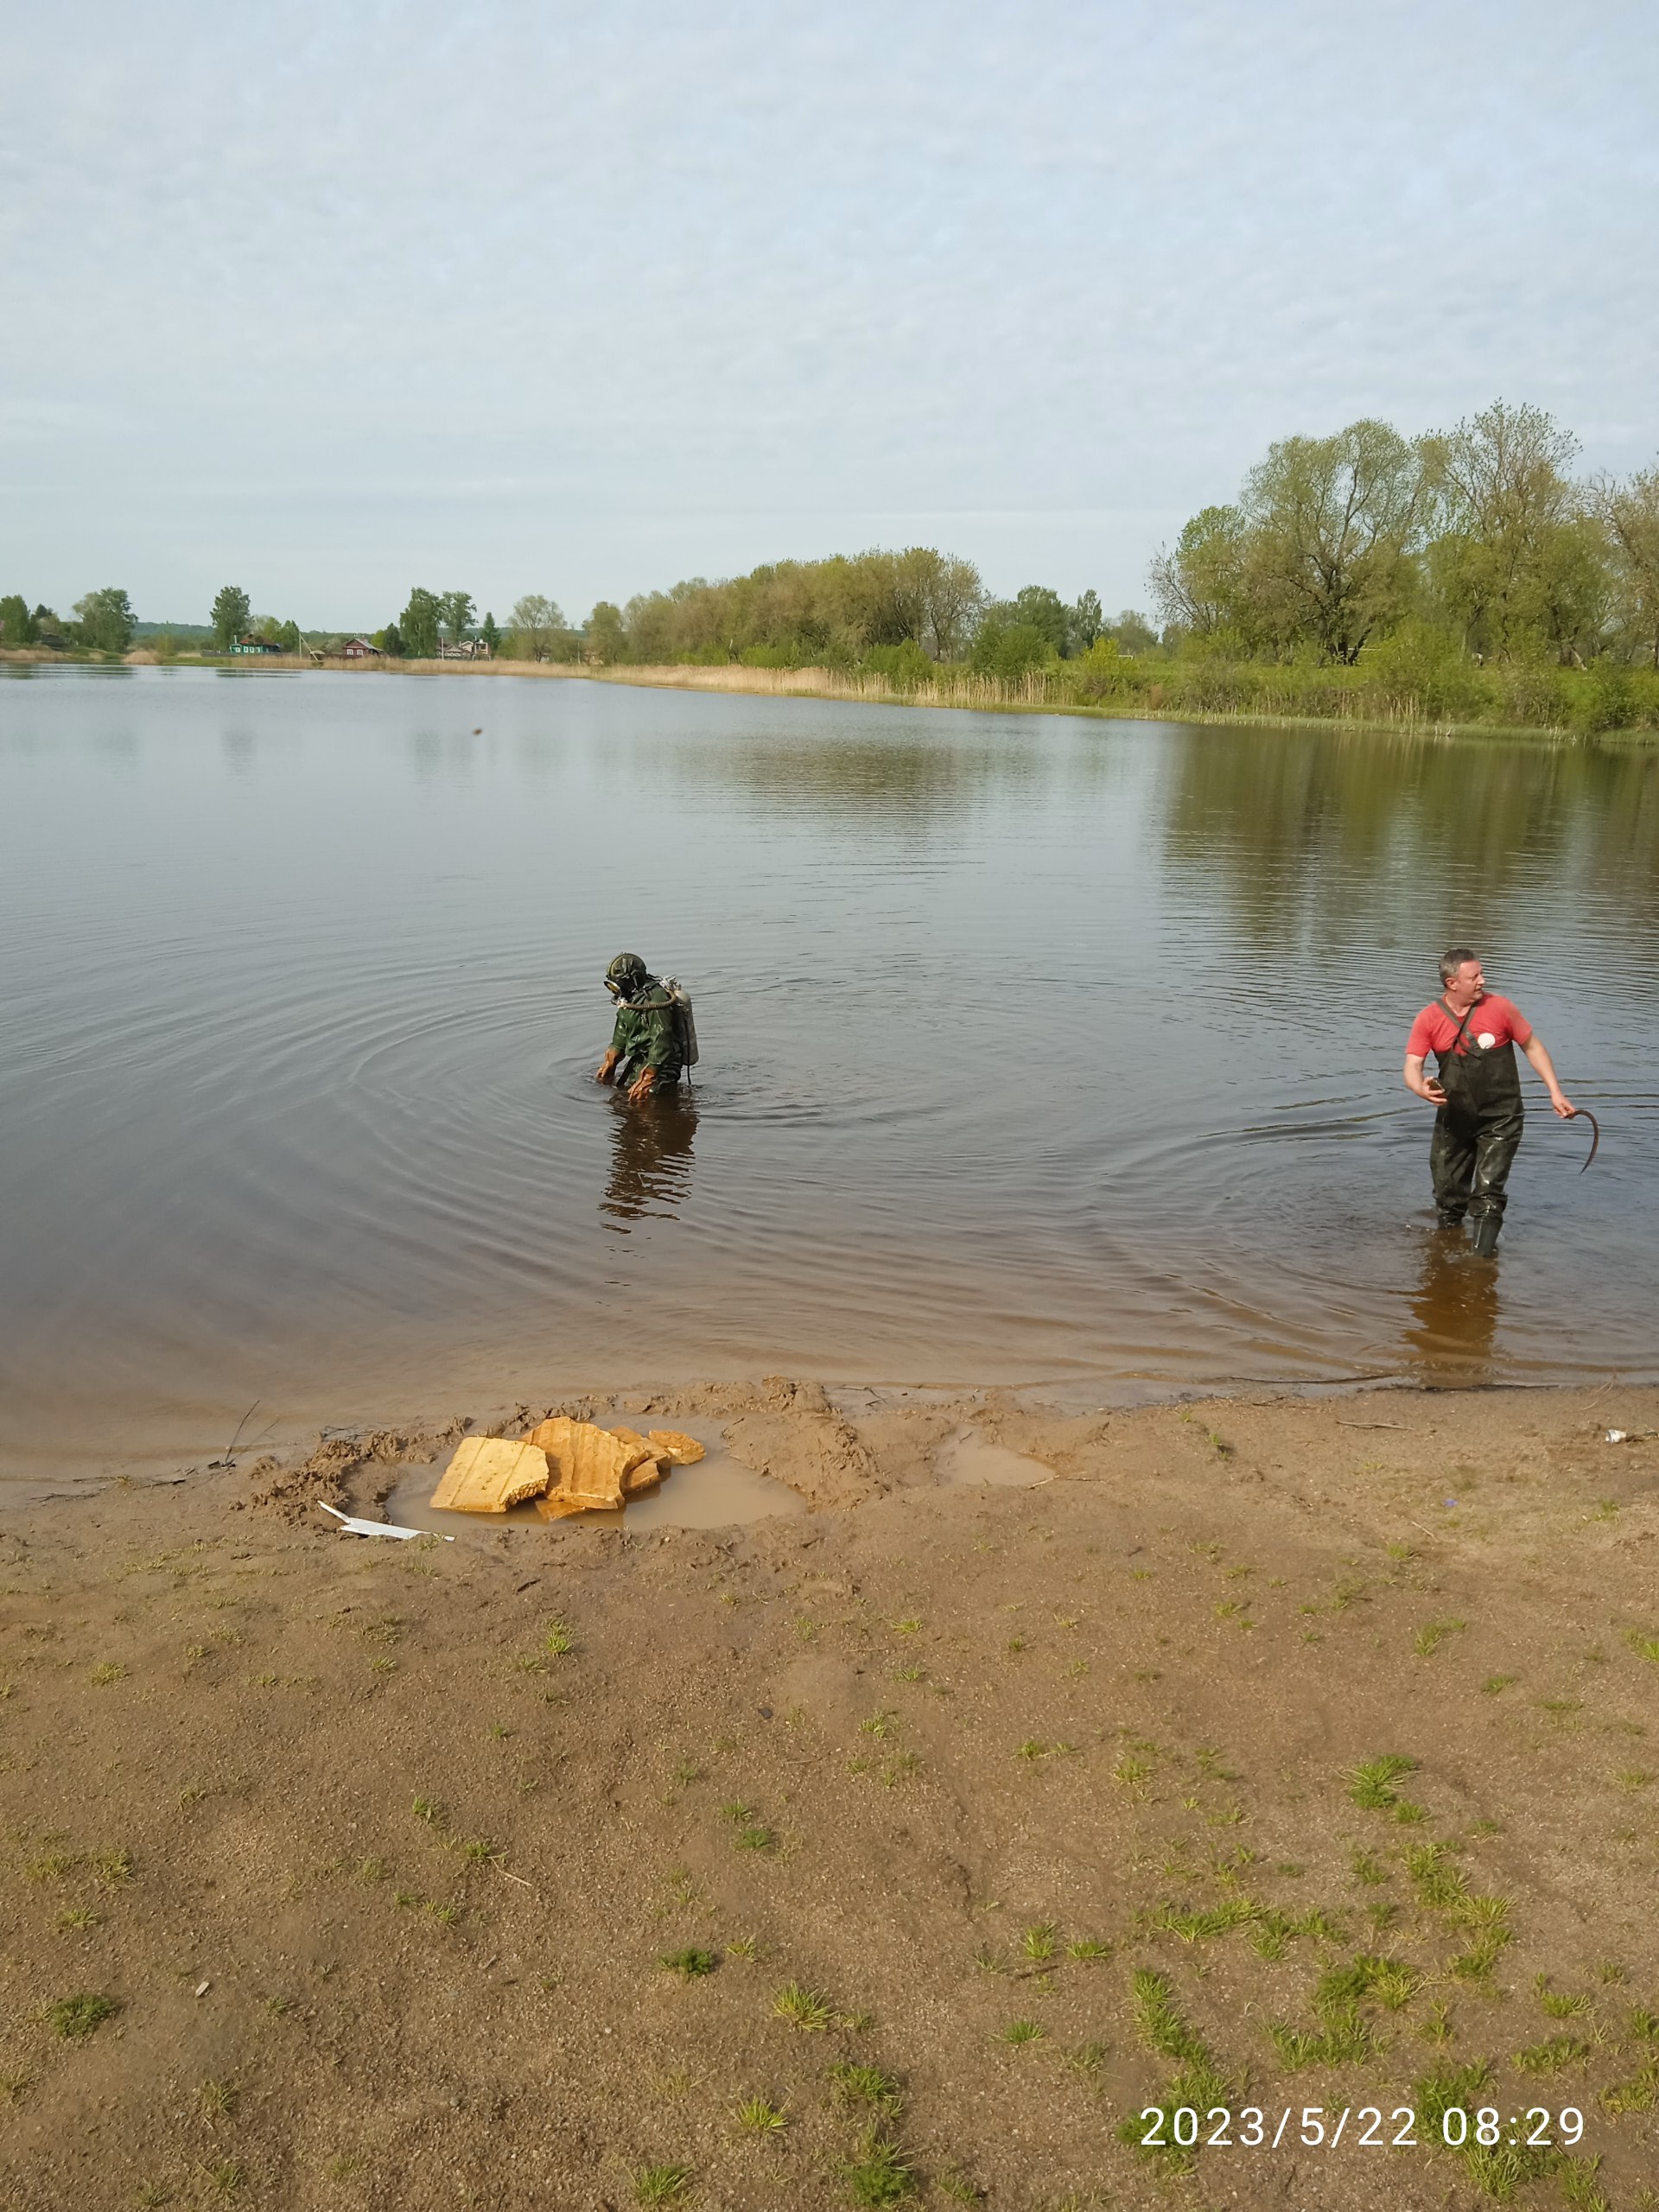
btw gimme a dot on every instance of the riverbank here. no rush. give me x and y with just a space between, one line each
1268 706
1288 1752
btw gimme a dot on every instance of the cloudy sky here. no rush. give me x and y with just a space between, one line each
330 299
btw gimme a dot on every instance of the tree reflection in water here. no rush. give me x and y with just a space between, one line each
1456 1306
651 1158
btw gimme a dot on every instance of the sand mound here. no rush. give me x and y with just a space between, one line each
799 1438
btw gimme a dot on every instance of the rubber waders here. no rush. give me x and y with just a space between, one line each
1476 1132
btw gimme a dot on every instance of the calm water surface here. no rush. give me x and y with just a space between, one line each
1035 1050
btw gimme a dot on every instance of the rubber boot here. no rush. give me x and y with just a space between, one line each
1486 1230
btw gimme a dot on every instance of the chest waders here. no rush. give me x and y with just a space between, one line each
1476 1135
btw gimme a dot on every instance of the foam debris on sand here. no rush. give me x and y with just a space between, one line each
351 1526
488 1474
567 1466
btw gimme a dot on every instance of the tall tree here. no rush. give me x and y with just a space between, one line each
1504 500
490 634
106 620
1131 632
607 639
18 625
230 616
1085 621
1199 585
1038 608
456 614
1333 521
418 624
956 598
536 622
1629 514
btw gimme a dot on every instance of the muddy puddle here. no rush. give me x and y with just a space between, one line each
967 1457
719 1492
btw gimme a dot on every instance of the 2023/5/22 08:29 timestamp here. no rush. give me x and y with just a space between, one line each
1315 2127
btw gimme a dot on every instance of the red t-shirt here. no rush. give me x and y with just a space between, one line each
1495 1021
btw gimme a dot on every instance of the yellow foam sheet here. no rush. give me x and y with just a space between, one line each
650 1468
490 1473
671 1443
590 1466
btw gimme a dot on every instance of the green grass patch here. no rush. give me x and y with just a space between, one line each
867 2085
690 1964
661 2184
878 2173
1429 1638
1553 2056
1499 2168
804 2008
82 2015
1372 1784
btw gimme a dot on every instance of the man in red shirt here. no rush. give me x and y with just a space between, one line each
1473 1034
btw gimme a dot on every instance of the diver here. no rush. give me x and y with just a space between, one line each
655 1038
1473 1033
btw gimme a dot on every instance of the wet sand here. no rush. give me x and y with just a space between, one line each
373 1853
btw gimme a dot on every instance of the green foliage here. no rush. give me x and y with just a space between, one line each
1007 650
456 614
18 625
417 625
537 630
828 613
903 665
1435 559
106 618
1423 665
230 616
1038 608
1606 699
606 636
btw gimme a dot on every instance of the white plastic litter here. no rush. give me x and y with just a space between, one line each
348 1527
1617 1435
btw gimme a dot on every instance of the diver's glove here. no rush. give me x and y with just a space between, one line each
606 1067
644 1084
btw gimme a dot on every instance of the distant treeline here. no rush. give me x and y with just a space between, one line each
1462 576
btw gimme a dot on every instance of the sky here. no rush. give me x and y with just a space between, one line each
331 300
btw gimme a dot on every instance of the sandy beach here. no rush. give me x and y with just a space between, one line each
902 1846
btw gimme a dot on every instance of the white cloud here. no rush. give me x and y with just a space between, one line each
540 297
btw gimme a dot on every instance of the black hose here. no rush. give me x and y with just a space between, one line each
1595 1141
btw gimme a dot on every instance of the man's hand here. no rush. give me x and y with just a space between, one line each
1425 1086
1563 1106
606 1067
644 1084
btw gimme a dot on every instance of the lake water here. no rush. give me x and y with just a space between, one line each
1036 1049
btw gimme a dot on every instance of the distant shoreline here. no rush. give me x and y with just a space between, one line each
964 694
